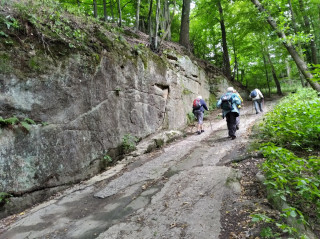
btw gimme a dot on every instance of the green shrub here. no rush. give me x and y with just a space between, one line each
295 122
190 118
293 179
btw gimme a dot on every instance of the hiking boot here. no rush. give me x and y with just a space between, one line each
198 132
233 137
202 131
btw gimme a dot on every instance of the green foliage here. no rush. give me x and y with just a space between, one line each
190 118
295 122
293 125
105 161
26 123
10 22
273 228
129 143
9 121
293 179
4 197
315 72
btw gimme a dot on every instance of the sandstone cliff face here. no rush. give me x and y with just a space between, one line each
83 111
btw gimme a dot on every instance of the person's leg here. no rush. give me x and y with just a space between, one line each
200 122
256 106
260 105
232 124
237 122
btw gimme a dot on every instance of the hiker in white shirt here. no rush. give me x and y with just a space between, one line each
257 98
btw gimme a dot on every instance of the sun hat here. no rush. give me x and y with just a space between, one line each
230 89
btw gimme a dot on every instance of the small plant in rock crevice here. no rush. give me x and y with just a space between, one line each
129 143
105 161
4 198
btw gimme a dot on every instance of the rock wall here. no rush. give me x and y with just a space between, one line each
83 110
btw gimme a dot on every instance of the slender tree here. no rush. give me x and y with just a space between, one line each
95 11
105 10
150 23
111 9
274 74
157 25
226 60
168 26
290 48
306 19
137 15
266 72
120 13
185 21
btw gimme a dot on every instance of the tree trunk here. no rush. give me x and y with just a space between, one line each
95 12
267 73
184 29
288 70
295 56
78 2
105 10
150 22
111 8
294 25
235 68
157 25
137 15
226 60
168 30
274 74
313 48
120 14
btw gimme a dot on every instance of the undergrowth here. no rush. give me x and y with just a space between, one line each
292 129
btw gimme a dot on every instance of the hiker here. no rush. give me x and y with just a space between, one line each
239 107
199 105
257 98
229 104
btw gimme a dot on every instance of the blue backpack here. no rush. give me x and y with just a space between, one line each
253 94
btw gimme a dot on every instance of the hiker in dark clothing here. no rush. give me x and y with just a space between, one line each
257 98
199 105
229 104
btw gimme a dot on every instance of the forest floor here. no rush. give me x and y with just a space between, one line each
200 186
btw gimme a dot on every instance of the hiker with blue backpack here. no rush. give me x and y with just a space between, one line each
198 107
229 103
257 99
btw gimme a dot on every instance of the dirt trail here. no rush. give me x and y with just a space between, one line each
175 192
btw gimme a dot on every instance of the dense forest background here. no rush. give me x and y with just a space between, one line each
271 45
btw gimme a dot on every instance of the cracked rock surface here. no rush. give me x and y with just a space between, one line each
178 191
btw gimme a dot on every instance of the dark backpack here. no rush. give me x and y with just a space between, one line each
196 104
253 94
226 102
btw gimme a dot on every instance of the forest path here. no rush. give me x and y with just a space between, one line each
175 192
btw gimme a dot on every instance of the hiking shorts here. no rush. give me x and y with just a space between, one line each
199 116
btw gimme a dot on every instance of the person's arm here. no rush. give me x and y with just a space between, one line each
203 103
219 103
261 95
